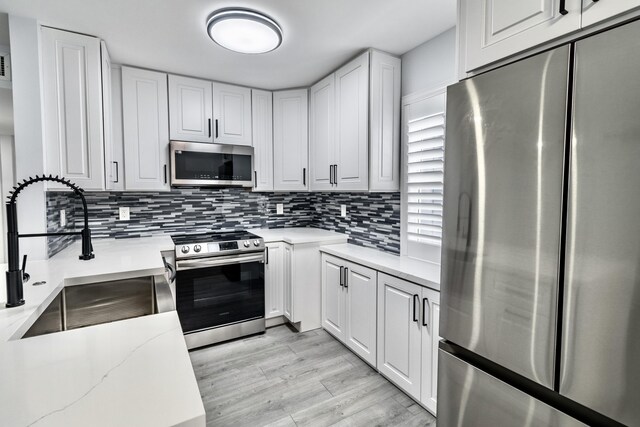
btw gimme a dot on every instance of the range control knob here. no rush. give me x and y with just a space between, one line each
256 243
185 249
197 248
246 244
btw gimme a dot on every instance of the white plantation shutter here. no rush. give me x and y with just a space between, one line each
424 137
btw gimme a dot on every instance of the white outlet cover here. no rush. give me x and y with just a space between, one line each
124 214
63 218
279 209
343 210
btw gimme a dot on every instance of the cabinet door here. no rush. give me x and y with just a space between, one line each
361 308
290 148
333 296
146 129
352 124
430 306
190 106
262 121
287 275
496 29
114 150
232 112
596 11
110 141
72 92
322 134
399 333
384 122
274 280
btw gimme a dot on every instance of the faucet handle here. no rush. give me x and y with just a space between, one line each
25 275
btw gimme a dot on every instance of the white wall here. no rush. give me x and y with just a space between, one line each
27 123
431 65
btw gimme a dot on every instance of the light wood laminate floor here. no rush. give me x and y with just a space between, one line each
285 378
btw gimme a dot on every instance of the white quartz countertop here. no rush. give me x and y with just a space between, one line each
134 372
421 272
299 235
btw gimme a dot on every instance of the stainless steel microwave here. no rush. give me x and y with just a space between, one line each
198 164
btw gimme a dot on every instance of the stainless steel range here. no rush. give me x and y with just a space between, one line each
219 286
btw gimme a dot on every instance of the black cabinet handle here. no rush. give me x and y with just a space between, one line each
425 304
165 173
266 255
341 276
117 173
346 277
304 176
335 174
255 175
216 128
563 8
331 174
415 312
209 128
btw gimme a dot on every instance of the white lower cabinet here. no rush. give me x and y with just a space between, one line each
408 337
274 280
287 273
349 305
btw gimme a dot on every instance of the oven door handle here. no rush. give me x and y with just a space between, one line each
215 262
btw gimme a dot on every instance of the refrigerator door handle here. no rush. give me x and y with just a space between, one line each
425 305
416 312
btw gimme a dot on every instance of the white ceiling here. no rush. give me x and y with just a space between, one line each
319 35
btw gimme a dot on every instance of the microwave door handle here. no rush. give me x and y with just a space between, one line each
216 262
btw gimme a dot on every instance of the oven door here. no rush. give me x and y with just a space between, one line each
213 292
200 164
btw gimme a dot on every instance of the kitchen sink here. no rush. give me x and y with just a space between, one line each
90 304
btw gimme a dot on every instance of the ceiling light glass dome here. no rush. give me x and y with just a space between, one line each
244 31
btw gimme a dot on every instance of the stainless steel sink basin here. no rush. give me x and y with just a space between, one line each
103 302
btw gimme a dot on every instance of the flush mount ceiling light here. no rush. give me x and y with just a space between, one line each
244 31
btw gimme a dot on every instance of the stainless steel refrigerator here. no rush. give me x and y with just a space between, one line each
540 313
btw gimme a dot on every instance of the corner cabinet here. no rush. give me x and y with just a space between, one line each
408 337
290 140
274 280
232 114
190 109
72 107
262 123
146 129
355 126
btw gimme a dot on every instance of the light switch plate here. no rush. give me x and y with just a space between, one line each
63 218
343 210
279 209
124 214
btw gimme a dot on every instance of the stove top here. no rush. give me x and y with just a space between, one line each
216 244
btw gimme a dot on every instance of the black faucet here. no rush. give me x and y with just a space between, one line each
15 275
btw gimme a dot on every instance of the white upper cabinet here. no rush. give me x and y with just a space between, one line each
384 121
290 140
262 124
352 125
322 134
232 114
146 129
190 109
73 122
496 29
596 11
113 147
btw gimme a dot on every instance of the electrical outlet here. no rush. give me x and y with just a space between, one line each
279 209
63 218
124 214
343 210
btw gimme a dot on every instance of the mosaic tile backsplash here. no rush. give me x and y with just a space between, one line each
373 219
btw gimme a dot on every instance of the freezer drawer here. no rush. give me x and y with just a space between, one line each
469 397
600 363
504 169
